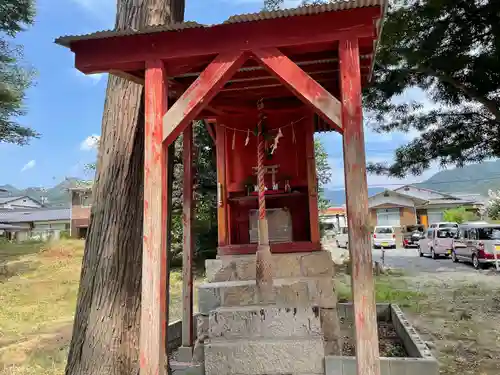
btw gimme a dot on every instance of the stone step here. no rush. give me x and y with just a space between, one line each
229 323
289 292
242 267
264 357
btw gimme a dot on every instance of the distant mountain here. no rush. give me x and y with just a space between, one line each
57 196
474 178
337 197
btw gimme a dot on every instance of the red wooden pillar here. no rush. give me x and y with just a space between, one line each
312 184
367 350
154 258
222 226
188 248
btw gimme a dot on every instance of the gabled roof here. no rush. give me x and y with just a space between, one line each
444 195
5 200
394 193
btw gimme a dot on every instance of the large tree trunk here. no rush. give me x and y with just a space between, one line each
107 322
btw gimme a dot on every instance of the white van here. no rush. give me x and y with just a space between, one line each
384 236
438 241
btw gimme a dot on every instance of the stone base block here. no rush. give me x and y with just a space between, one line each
264 357
185 354
290 292
254 322
242 267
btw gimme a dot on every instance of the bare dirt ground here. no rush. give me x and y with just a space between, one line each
455 308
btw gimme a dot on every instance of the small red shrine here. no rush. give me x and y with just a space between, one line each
302 70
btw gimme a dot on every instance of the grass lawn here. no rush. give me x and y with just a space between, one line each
38 289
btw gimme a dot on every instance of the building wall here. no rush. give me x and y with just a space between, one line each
408 216
80 214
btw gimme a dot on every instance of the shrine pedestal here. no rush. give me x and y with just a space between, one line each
291 334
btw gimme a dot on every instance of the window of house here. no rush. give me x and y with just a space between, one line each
86 200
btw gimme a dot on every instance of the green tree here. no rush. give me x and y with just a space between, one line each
492 208
14 78
323 171
459 215
451 50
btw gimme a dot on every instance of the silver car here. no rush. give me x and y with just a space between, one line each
477 243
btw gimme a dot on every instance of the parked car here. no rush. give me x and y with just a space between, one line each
342 238
478 244
412 234
384 237
438 242
444 224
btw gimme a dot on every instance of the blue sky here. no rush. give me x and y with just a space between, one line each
66 107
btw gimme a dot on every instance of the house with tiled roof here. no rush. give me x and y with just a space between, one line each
34 223
410 204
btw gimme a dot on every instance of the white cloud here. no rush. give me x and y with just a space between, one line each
90 143
28 165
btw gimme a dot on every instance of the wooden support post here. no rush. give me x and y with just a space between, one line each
221 186
199 94
154 259
188 251
367 350
312 184
302 85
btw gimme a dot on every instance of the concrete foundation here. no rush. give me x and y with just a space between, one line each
419 361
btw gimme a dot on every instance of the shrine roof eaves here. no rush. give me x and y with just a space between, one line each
242 18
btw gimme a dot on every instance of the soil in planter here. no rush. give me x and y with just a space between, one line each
390 345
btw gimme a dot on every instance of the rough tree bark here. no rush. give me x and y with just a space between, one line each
107 322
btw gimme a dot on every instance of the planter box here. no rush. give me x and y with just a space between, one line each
420 360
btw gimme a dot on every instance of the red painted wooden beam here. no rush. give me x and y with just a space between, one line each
302 85
210 130
154 258
367 349
200 93
128 52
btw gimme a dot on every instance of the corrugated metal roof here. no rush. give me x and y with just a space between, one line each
25 216
337 5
